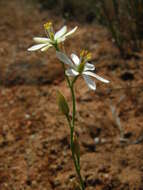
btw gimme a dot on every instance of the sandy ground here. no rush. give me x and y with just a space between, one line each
34 136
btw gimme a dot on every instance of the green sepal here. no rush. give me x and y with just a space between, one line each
76 147
62 103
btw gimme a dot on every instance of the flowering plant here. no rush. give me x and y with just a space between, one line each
79 66
52 39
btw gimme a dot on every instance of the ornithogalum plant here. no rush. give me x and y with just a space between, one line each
77 66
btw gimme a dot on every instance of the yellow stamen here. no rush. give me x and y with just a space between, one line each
48 25
85 55
88 56
49 30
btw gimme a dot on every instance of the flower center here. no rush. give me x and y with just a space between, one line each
85 56
81 67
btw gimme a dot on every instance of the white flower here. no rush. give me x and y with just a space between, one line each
80 66
53 38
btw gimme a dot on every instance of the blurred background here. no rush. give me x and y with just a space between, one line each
34 137
122 18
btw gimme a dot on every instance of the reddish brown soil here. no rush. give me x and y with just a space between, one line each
34 136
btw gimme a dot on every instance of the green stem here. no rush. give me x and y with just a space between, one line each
73 102
76 161
72 124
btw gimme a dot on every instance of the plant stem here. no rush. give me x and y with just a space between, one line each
72 125
76 161
73 102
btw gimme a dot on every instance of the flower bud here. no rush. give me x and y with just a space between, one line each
63 106
76 146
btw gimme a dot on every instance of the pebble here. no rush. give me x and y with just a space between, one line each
27 116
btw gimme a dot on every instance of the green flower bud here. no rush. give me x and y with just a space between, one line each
76 147
63 105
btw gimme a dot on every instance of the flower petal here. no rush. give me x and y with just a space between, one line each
89 67
90 83
46 48
71 72
64 58
75 59
41 40
61 32
96 76
62 39
71 32
36 47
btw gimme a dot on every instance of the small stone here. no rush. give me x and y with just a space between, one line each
103 140
56 183
96 140
27 116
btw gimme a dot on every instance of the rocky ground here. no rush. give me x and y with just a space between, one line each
34 137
